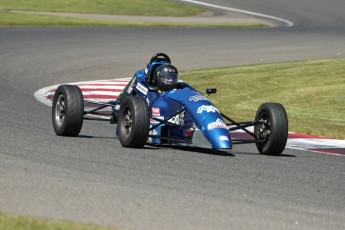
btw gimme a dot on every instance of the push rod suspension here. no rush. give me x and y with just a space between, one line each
170 139
96 109
238 125
98 103
243 125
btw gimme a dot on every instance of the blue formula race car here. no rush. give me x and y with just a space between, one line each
157 108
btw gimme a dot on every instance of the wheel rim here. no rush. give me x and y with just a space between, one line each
60 111
126 121
264 129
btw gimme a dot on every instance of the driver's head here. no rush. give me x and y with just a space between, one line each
166 77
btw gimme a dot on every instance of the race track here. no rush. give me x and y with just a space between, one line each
92 179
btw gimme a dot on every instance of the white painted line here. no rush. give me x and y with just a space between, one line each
102 93
93 92
287 22
121 81
314 143
113 87
103 100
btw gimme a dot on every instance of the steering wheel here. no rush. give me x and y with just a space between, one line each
160 57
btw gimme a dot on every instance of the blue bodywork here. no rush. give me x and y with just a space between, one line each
181 115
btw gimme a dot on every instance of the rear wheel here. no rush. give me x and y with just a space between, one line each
272 132
134 122
68 110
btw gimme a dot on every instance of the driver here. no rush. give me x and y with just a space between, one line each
165 77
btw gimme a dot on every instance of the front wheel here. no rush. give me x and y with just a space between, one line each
272 132
68 110
133 122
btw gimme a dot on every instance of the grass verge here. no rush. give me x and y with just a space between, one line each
14 19
311 91
120 7
28 223
116 7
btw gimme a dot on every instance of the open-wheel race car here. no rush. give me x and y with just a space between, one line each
157 108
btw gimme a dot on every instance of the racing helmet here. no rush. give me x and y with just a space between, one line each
165 77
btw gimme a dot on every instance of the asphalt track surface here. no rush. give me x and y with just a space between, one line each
92 179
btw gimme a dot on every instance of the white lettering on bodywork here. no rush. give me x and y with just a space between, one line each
207 108
217 124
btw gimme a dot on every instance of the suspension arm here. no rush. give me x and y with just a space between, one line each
243 127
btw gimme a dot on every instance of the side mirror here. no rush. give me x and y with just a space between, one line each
211 91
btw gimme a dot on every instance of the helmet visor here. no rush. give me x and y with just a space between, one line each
168 78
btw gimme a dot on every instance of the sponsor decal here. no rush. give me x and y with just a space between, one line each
154 132
207 108
142 88
223 138
218 124
148 102
196 98
153 121
156 112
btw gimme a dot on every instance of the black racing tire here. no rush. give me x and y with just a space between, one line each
68 110
272 134
133 122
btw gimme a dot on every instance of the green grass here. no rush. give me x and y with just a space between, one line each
120 7
8 222
13 19
313 92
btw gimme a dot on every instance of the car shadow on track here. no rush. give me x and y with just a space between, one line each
216 152
97 137
184 148
258 154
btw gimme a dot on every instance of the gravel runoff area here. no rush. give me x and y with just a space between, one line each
209 17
